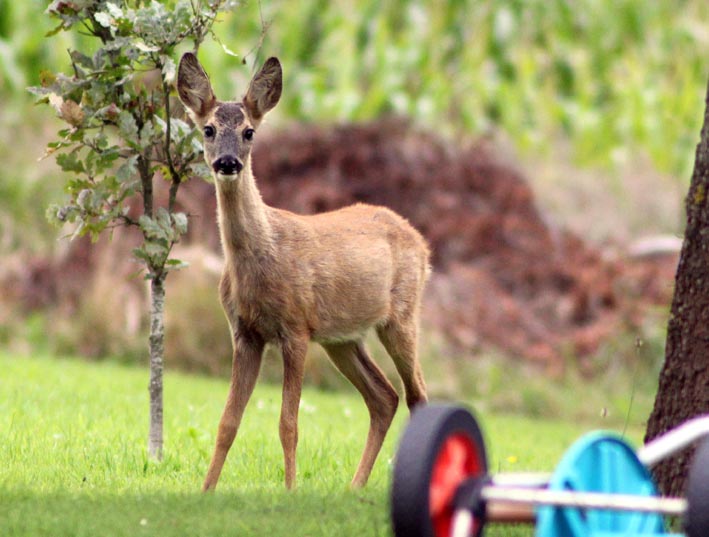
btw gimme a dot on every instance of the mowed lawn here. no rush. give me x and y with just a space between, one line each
73 457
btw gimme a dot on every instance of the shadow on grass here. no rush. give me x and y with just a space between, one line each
260 512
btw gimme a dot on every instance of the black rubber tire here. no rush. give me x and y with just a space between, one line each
696 520
419 446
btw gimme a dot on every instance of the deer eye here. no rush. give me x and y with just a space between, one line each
249 134
209 131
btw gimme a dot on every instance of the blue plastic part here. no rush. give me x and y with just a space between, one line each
600 462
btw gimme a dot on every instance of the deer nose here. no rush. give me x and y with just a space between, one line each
227 165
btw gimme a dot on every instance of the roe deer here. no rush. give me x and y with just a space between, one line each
289 279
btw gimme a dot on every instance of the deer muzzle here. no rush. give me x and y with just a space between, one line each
227 165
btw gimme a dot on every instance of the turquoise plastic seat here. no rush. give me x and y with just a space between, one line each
600 462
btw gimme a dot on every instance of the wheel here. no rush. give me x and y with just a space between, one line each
599 462
697 517
441 447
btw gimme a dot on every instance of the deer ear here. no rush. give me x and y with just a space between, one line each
194 88
264 90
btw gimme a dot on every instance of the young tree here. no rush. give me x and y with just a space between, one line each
684 381
121 138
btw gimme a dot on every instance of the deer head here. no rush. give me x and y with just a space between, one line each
228 126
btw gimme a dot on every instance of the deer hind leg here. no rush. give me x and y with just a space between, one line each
400 340
352 360
293 371
248 349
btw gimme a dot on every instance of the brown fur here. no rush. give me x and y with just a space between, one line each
289 279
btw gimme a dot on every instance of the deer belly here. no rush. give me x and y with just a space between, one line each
346 312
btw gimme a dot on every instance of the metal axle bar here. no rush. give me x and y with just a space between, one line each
585 500
673 441
516 505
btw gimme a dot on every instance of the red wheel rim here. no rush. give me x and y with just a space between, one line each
457 460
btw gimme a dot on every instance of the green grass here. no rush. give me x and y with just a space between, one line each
73 458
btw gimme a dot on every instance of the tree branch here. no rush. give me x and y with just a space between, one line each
174 175
146 180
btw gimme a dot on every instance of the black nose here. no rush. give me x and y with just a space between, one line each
227 165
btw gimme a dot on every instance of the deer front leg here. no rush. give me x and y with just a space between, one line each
248 350
293 371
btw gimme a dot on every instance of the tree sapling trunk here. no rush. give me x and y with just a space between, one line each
157 346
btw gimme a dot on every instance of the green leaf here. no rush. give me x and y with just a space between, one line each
81 59
128 128
60 214
200 169
154 253
141 254
176 264
168 69
147 135
47 78
104 19
180 221
150 228
55 30
156 249
127 170
143 47
114 10
69 162
85 199
164 221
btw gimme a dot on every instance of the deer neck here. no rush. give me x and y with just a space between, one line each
243 217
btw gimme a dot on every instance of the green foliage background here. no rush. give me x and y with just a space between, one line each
608 75
614 79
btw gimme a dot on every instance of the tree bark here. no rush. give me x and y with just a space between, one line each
157 347
684 380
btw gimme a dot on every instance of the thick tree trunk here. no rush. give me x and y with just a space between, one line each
684 381
157 346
